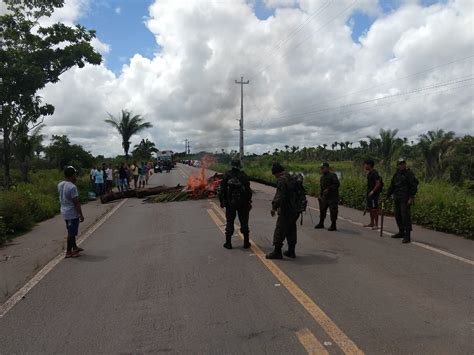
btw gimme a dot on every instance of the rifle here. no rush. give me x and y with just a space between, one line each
382 214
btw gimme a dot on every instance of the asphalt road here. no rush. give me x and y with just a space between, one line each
155 278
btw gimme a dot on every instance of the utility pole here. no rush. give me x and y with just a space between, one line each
189 146
241 145
186 146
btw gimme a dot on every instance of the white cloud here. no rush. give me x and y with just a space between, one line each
118 10
188 91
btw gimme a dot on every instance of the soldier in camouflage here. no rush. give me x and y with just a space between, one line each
287 217
403 187
235 196
328 197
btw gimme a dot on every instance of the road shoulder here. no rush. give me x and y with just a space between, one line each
27 254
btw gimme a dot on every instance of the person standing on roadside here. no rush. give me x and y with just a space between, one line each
123 177
99 181
71 210
287 217
374 187
328 197
403 187
117 177
235 196
110 179
135 173
142 177
92 177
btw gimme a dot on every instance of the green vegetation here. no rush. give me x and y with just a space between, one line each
28 203
444 165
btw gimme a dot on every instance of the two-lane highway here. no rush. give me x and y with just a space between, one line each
155 278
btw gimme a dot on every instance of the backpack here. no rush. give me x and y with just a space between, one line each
298 200
235 192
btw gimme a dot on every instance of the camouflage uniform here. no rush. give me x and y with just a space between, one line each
404 185
287 218
243 211
329 197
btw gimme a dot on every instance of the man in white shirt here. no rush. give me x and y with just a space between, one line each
71 210
110 179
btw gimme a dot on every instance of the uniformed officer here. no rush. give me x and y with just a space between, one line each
374 187
286 223
328 197
403 187
235 196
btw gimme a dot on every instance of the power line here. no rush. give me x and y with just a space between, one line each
308 37
296 30
326 109
336 98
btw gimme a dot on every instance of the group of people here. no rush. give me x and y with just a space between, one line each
103 178
289 202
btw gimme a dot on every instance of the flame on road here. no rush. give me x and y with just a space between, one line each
199 184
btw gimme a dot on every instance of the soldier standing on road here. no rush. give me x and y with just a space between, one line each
374 187
236 197
403 187
287 217
328 197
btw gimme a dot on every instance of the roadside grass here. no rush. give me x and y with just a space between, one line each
26 204
439 205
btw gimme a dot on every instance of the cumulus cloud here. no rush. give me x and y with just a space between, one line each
307 87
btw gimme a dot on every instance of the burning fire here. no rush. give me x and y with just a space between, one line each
199 184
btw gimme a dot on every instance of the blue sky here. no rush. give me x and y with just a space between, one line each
120 23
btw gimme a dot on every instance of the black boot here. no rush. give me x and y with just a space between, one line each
247 244
275 254
406 237
333 227
398 235
228 243
320 225
290 253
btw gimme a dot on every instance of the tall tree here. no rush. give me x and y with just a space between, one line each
128 125
26 142
145 149
386 146
435 145
32 56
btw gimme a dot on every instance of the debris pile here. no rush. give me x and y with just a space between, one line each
198 188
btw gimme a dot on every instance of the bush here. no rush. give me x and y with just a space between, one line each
3 231
439 205
14 209
30 203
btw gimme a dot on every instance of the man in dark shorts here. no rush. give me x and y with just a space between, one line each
70 210
374 187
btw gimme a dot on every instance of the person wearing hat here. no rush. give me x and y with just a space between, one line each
70 210
286 223
328 197
403 187
235 196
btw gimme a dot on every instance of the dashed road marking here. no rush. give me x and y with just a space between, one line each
310 342
339 337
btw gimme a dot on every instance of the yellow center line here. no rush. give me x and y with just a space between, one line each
339 337
310 343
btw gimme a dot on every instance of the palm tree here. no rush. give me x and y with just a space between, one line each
334 145
325 146
342 145
363 144
128 125
386 146
435 146
144 149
